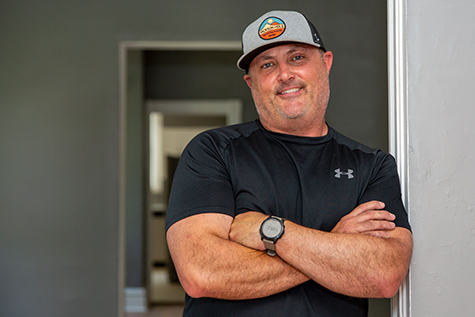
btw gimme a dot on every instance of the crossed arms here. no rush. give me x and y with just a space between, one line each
364 255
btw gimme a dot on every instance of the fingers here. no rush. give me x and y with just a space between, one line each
379 234
370 205
374 225
356 226
368 218
373 216
371 211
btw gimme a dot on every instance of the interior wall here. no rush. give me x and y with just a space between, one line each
196 75
59 168
441 73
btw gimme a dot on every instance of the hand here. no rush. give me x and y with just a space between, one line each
245 230
367 218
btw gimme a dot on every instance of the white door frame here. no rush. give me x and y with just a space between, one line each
397 103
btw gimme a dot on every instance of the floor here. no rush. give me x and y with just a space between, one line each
164 292
167 298
160 311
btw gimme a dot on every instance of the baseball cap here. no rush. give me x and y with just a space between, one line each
276 28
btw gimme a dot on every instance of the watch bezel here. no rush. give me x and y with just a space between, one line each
279 234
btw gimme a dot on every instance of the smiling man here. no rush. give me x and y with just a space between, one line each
284 216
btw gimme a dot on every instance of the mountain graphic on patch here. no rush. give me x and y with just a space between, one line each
271 28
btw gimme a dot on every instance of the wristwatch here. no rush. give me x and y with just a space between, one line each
271 230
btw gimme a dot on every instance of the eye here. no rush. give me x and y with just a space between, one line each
298 57
266 65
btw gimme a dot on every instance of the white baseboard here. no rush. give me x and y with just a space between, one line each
135 300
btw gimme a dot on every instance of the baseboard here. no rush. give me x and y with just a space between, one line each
135 300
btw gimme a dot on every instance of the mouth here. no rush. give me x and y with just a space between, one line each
290 91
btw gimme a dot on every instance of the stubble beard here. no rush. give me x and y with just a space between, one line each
284 112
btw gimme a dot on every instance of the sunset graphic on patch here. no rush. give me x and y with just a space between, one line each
271 28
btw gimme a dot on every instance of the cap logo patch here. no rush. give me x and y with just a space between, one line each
271 28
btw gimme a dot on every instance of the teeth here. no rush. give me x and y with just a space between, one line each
290 91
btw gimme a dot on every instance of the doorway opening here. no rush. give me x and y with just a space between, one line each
169 91
171 126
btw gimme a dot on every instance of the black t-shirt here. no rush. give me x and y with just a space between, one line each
311 181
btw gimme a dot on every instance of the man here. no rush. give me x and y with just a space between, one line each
338 232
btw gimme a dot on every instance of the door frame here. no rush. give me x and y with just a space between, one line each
398 125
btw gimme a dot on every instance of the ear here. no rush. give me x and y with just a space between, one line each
248 80
328 60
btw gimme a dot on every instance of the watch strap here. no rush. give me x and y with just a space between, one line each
270 246
270 243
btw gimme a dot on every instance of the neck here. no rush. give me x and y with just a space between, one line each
293 128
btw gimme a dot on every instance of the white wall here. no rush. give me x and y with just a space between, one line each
441 95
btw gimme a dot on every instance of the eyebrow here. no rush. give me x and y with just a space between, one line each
298 46
290 51
264 58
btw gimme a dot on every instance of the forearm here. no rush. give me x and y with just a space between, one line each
209 265
356 265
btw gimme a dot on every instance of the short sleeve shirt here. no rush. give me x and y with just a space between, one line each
313 182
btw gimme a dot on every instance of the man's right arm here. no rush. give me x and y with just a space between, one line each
207 262
210 265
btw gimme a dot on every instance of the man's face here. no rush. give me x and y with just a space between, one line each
290 87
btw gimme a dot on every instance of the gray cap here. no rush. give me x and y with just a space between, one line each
276 28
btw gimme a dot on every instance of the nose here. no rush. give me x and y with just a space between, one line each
285 72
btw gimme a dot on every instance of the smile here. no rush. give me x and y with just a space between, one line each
289 91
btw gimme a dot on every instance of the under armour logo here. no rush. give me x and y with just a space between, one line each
339 173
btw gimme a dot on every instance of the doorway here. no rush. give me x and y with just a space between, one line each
158 92
171 126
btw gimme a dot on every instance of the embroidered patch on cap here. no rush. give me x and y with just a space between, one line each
271 28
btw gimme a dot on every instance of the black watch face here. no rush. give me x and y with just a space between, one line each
271 228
